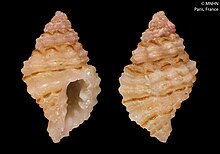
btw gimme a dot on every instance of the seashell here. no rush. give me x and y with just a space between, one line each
58 77
159 79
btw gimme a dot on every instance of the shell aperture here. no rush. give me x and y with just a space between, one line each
59 79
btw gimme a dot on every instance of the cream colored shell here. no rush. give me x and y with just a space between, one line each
159 79
58 77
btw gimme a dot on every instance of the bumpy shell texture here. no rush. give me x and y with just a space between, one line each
58 77
159 79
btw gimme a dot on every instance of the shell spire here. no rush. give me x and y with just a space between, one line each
159 26
159 79
58 23
58 77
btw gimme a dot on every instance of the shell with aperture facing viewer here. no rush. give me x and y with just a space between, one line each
58 77
159 79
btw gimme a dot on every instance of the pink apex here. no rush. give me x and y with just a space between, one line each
159 26
160 21
58 23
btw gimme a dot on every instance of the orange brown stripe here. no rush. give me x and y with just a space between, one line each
144 123
165 66
38 100
47 95
50 48
58 91
36 51
133 70
136 99
35 73
56 70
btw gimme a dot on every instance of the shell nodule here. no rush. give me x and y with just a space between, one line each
159 79
58 77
